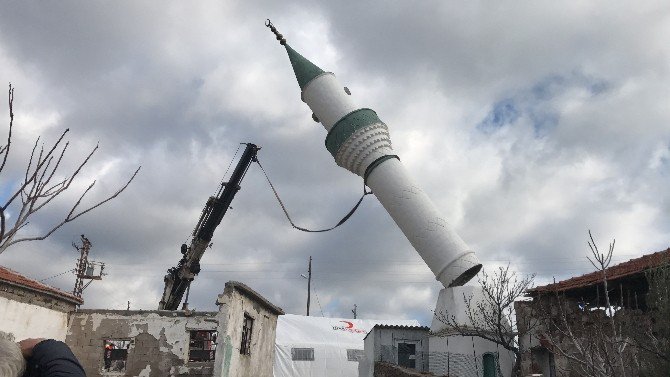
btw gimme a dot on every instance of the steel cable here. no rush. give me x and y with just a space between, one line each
283 207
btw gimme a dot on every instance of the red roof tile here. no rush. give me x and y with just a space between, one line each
631 267
13 277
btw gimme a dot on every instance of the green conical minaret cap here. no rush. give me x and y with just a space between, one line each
304 70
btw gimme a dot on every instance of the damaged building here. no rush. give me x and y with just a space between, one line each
569 328
236 340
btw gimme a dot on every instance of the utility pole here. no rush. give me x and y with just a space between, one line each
309 282
354 311
86 270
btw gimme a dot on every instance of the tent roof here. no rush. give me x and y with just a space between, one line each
297 329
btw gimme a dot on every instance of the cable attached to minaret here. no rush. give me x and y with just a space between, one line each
283 207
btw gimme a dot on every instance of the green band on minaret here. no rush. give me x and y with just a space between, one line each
346 127
304 70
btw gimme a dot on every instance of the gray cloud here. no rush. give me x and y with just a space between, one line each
526 125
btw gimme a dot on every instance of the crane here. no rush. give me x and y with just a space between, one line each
179 278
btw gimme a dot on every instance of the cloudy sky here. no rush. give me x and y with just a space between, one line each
528 124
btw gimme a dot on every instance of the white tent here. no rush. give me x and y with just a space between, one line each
322 347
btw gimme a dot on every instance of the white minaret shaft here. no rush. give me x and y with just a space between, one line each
360 143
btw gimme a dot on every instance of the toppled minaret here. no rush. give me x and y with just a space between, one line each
360 142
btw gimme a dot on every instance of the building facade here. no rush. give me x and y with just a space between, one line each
248 328
236 341
405 346
570 331
30 309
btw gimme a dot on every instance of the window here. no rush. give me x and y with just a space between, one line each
202 345
115 354
247 328
354 355
302 354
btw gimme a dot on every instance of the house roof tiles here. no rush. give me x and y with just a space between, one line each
631 267
14 278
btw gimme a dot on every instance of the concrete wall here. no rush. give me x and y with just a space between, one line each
366 367
463 355
29 314
386 339
31 321
159 341
535 357
233 305
390 370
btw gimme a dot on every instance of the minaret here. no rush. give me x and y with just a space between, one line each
360 142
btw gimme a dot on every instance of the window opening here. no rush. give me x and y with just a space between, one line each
247 328
354 355
115 354
302 354
202 345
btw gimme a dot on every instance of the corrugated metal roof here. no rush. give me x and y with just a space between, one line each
631 267
14 278
401 327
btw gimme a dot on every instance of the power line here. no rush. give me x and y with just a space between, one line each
619 258
57 275
377 271
317 301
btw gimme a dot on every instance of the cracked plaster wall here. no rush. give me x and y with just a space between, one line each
233 305
159 341
160 338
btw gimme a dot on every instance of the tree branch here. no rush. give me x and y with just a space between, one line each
71 217
5 148
491 317
37 190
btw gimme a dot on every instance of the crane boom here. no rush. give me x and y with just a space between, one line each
179 278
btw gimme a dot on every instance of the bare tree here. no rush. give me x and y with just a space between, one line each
493 318
39 187
601 262
585 333
614 339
